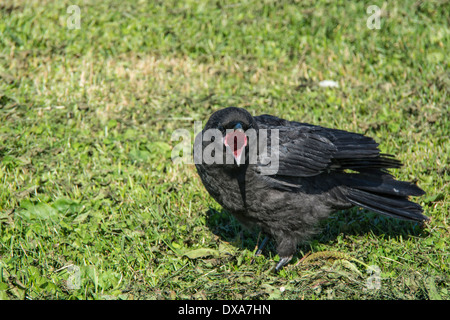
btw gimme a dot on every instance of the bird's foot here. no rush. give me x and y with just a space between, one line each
283 261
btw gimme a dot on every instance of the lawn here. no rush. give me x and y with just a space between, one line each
91 205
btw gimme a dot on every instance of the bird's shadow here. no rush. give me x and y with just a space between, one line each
352 222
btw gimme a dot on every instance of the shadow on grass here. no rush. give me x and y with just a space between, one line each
352 222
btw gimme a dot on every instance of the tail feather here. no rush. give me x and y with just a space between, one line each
383 183
381 193
396 207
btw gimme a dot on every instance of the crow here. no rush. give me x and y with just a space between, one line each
285 176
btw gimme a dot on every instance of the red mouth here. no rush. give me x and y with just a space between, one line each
236 141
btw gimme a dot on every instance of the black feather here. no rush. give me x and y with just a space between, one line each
392 206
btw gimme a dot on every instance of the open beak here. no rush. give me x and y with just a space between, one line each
235 142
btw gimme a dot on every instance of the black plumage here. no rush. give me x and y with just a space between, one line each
320 170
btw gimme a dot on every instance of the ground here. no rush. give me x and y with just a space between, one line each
91 205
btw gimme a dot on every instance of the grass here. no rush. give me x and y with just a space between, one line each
91 207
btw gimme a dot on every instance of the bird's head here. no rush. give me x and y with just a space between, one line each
233 124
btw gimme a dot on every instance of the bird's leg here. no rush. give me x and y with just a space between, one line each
283 261
261 246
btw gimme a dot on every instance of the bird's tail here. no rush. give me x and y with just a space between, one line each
380 192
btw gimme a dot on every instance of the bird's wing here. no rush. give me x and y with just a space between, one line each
306 150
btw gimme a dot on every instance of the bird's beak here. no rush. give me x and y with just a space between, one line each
235 142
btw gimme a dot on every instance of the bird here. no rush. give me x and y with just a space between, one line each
284 177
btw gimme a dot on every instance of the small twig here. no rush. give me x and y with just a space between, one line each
303 258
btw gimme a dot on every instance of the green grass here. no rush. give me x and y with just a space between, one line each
91 207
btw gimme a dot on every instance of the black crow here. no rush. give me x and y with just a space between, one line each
285 176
